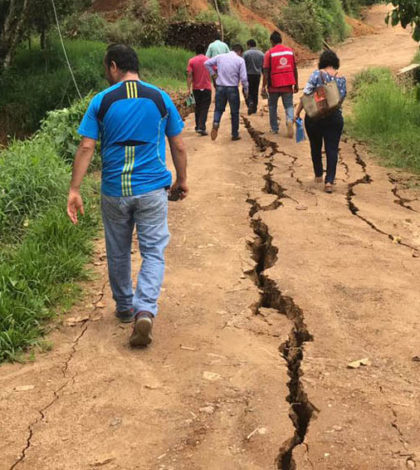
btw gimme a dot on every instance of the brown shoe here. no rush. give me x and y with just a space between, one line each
328 188
318 179
214 132
142 331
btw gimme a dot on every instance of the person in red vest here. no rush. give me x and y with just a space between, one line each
281 77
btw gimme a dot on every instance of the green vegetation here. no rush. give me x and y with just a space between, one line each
352 7
236 31
406 12
46 83
311 22
41 253
387 117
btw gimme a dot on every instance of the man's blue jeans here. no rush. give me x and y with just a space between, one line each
273 99
226 94
148 213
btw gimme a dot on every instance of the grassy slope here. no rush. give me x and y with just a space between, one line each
387 118
48 79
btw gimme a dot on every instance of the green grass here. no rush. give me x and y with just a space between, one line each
41 254
388 118
39 81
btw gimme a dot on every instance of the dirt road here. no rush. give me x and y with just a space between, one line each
273 287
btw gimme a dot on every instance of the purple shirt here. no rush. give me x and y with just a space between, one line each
231 70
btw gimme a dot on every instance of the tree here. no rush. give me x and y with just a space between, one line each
406 12
12 21
23 17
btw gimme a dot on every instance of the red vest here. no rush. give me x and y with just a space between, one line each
282 66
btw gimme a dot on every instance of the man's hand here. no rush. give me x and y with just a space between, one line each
296 88
181 187
264 93
74 205
246 94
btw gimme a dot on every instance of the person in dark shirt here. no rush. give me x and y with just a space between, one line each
254 60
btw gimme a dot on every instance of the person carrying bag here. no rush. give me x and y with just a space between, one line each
322 98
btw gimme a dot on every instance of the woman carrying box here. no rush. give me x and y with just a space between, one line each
328 128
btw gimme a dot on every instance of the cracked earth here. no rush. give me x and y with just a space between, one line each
272 288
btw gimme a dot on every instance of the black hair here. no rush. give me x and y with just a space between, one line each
276 38
200 49
329 59
217 35
125 58
237 48
251 43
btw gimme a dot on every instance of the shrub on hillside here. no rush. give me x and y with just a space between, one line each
60 128
86 26
131 31
237 31
311 22
301 21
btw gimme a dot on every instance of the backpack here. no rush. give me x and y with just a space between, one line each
323 101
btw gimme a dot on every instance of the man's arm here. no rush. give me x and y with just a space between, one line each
179 157
244 77
209 64
82 160
189 81
297 79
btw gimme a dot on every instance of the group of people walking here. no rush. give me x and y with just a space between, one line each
131 118
228 69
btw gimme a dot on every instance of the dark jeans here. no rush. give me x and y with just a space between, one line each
202 105
226 94
327 130
254 85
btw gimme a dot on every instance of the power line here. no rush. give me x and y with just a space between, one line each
64 49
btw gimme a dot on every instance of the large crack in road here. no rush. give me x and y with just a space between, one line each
264 254
366 179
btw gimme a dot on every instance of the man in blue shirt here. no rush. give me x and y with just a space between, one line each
132 118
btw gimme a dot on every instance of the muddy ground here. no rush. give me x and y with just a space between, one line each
273 287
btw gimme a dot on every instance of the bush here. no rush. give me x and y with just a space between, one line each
388 118
90 26
236 31
368 77
60 128
300 20
310 22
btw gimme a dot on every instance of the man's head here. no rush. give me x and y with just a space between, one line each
238 49
120 60
199 49
251 43
217 36
276 38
